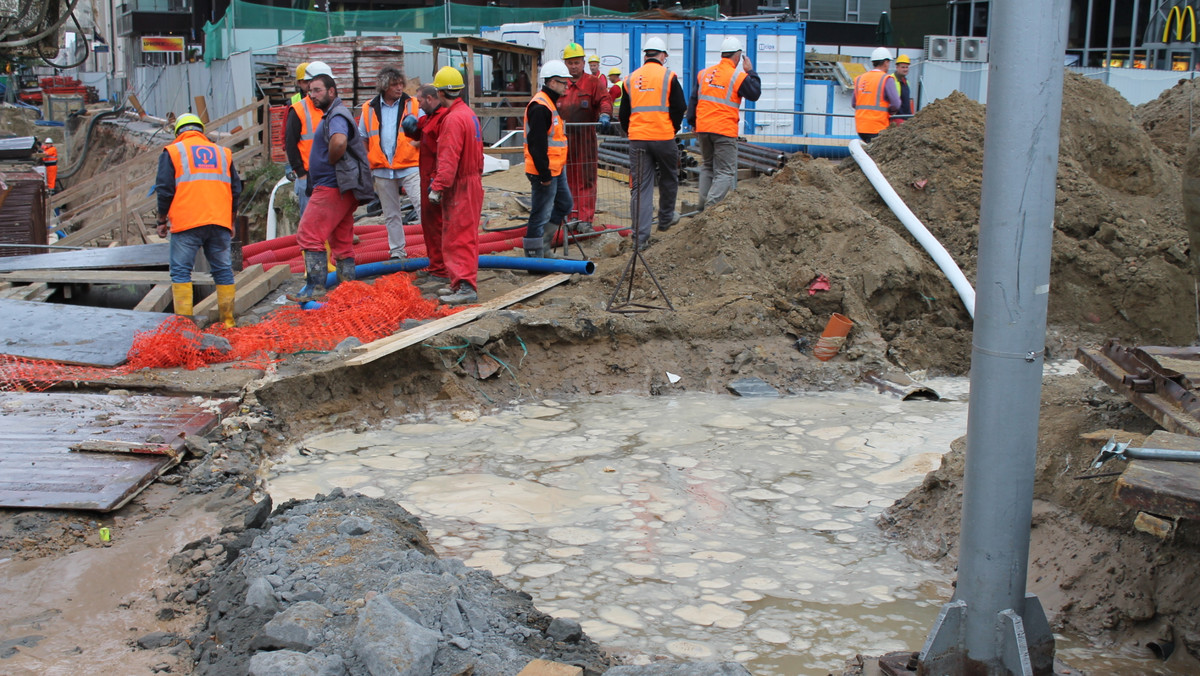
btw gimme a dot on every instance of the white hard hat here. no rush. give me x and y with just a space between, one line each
49 140
554 68
315 68
731 44
655 45
881 54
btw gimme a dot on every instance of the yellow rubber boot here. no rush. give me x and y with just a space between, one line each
225 294
183 298
329 257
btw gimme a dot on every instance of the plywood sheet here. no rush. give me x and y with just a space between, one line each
72 334
136 256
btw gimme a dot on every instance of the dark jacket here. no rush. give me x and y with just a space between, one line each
291 142
353 171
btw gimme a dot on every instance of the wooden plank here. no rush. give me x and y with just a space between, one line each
156 300
207 308
123 446
548 668
137 105
74 334
99 276
42 294
201 105
1162 487
385 346
136 256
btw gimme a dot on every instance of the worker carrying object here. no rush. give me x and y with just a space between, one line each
876 96
50 160
299 131
583 107
652 113
713 113
391 153
545 158
198 189
301 84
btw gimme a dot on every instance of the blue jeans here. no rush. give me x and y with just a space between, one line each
556 195
300 187
215 240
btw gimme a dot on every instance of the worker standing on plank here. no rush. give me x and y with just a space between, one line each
50 160
339 179
584 106
391 152
545 157
299 129
425 135
457 188
651 114
301 84
198 189
713 113
875 97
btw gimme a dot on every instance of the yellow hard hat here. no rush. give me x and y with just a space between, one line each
188 119
614 71
594 58
903 58
300 70
448 77
573 50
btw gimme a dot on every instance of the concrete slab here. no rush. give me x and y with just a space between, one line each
72 334
136 256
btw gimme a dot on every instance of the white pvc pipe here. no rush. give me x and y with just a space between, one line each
271 208
925 238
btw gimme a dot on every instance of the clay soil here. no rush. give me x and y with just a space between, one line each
738 276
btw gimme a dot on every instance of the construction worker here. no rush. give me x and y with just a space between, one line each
339 179
435 274
198 189
301 84
713 113
584 106
593 64
457 188
651 113
614 87
302 120
50 160
903 63
391 152
875 96
545 158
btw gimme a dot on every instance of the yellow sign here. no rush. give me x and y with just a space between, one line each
162 43
1184 18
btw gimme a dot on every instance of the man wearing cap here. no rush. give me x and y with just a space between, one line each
614 87
903 63
301 84
545 157
391 152
50 161
875 97
713 113
302 120
339 179
651 114
583 106
198 188
456 187
593 64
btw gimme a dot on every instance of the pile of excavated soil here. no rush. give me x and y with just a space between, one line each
1171 118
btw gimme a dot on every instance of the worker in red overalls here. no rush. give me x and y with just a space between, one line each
583 107
50 159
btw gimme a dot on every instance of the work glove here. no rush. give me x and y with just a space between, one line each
435 197
605 123
290 175
409 125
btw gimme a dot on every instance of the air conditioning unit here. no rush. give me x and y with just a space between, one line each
941 48
972 49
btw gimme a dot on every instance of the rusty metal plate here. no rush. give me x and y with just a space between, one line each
1161 381
37 430
1163 487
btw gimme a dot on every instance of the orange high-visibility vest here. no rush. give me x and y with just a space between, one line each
203 183
556 141
718 101
649 116
310 116
405 155
870 106
50 160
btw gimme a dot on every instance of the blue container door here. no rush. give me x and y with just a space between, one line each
779 48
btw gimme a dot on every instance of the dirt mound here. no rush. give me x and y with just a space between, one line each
1171 118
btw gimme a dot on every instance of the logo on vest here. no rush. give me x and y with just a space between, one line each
204 157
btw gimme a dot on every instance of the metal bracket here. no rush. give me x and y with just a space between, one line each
1024 640
1122 451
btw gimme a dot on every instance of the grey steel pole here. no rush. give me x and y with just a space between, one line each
1133 36
1087 37
1112 14
992 626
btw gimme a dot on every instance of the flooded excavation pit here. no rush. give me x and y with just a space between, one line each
700 527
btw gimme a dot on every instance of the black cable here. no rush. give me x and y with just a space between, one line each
86 51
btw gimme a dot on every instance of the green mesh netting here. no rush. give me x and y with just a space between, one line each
221 41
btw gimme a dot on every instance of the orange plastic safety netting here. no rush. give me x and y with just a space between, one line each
366 311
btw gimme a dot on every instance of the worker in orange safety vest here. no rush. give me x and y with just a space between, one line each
299 129
392 154
545 157
876 96
713 113
50 160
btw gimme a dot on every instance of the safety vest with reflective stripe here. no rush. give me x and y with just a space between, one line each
405 155
718 101
556 137
310 116
203 183
649 116
870 104
50 156
297 96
